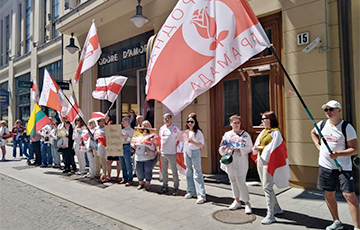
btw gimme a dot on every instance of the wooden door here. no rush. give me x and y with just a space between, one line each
253 88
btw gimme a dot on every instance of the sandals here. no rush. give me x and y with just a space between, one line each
140 186
147 186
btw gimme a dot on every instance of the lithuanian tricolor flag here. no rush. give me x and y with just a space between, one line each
37 120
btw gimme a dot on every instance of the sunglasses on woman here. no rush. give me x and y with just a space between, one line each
190 121
331 109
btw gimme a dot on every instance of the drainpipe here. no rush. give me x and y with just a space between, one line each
346 62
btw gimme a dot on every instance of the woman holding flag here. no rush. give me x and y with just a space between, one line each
272 164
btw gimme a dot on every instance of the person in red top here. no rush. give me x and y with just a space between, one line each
18 137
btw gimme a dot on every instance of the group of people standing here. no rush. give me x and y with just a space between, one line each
340 137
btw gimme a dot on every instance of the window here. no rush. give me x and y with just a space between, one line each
231 100
55 16
3 106
7 37
1 43
27 26
22 97
45 18
259 97
19 29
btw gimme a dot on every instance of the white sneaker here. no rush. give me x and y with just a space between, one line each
188 196
268 220
235 205
335 225
200 200
87 175
248 209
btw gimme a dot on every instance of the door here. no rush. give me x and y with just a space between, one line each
253 88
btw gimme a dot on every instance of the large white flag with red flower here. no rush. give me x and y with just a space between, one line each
108 88
90 53
200 43
52 96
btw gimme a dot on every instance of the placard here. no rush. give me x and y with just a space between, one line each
114 140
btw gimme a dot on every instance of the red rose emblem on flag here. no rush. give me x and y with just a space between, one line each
206 27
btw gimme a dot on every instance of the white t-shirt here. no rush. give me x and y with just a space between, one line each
336 142
198 137
168 136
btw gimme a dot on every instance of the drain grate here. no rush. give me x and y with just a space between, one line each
23 167
233 217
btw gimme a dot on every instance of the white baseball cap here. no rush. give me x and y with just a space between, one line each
332 104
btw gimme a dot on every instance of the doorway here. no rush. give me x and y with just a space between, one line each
255 87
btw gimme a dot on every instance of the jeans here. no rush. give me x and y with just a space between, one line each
15 144
144 170
165 160
194 175
27 146
126 165
46 154
55 153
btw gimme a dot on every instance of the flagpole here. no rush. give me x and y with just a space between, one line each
305 107
108 111
78 114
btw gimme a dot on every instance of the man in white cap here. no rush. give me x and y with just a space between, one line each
169 135
329 175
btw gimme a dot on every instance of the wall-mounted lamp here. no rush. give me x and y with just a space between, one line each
138 19
72 48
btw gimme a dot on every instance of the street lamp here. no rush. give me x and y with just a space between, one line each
138 19
72 48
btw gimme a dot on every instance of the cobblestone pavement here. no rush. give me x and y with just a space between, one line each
25 207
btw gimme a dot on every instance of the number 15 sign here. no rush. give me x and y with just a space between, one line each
303 38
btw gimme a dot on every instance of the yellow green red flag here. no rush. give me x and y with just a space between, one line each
37 120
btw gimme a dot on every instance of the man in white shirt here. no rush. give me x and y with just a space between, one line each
169 135
329 175
125 161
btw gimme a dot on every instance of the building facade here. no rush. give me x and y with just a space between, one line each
330 71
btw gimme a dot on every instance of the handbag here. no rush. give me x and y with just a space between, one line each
150 154
227 158
63 143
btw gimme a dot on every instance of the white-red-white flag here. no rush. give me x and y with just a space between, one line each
275 155
90 53
52 95
108 88
35 92
97 115
199 44
74 110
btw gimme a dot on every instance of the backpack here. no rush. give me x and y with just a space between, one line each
343 130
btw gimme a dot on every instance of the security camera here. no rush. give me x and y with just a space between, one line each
313 45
